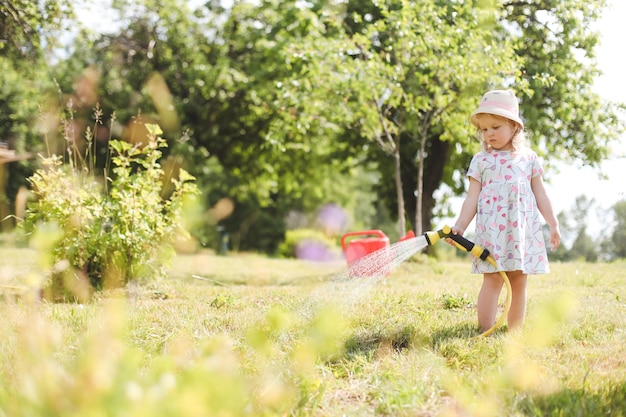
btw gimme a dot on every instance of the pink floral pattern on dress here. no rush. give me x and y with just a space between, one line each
508 222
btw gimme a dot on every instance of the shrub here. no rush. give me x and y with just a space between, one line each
114 230
308 244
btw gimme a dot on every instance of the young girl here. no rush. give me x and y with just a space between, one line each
506 193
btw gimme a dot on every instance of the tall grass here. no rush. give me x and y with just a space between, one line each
227 336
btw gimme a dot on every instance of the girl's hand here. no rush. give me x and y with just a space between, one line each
455 230
555 237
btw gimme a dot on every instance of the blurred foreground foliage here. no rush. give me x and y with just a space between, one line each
105 373
260 345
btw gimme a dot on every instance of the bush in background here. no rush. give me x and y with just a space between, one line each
112 231
309 244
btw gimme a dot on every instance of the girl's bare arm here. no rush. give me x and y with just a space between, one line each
545 208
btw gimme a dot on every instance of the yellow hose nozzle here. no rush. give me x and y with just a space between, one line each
459 241
433 237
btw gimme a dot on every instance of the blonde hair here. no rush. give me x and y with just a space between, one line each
519 138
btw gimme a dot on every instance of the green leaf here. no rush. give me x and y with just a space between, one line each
154 129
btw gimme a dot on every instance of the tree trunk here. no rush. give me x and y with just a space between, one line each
419 205
399 192
434 167
432 176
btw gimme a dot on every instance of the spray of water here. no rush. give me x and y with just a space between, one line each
347 287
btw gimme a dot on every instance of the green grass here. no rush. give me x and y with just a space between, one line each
244 335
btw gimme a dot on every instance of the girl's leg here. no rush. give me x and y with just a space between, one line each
518 299
487 304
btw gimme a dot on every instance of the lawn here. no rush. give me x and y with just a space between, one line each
246 335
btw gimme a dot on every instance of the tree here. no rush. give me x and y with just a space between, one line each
557 45
583 245
551 41
29 30
409 73
274 90
618 238
573 224
216 73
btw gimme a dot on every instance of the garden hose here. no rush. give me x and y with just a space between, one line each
481 253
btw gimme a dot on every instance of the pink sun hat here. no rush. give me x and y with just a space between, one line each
499 102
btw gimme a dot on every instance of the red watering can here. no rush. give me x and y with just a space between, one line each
370 242
358 248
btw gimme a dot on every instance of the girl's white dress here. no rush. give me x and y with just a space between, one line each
508 222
